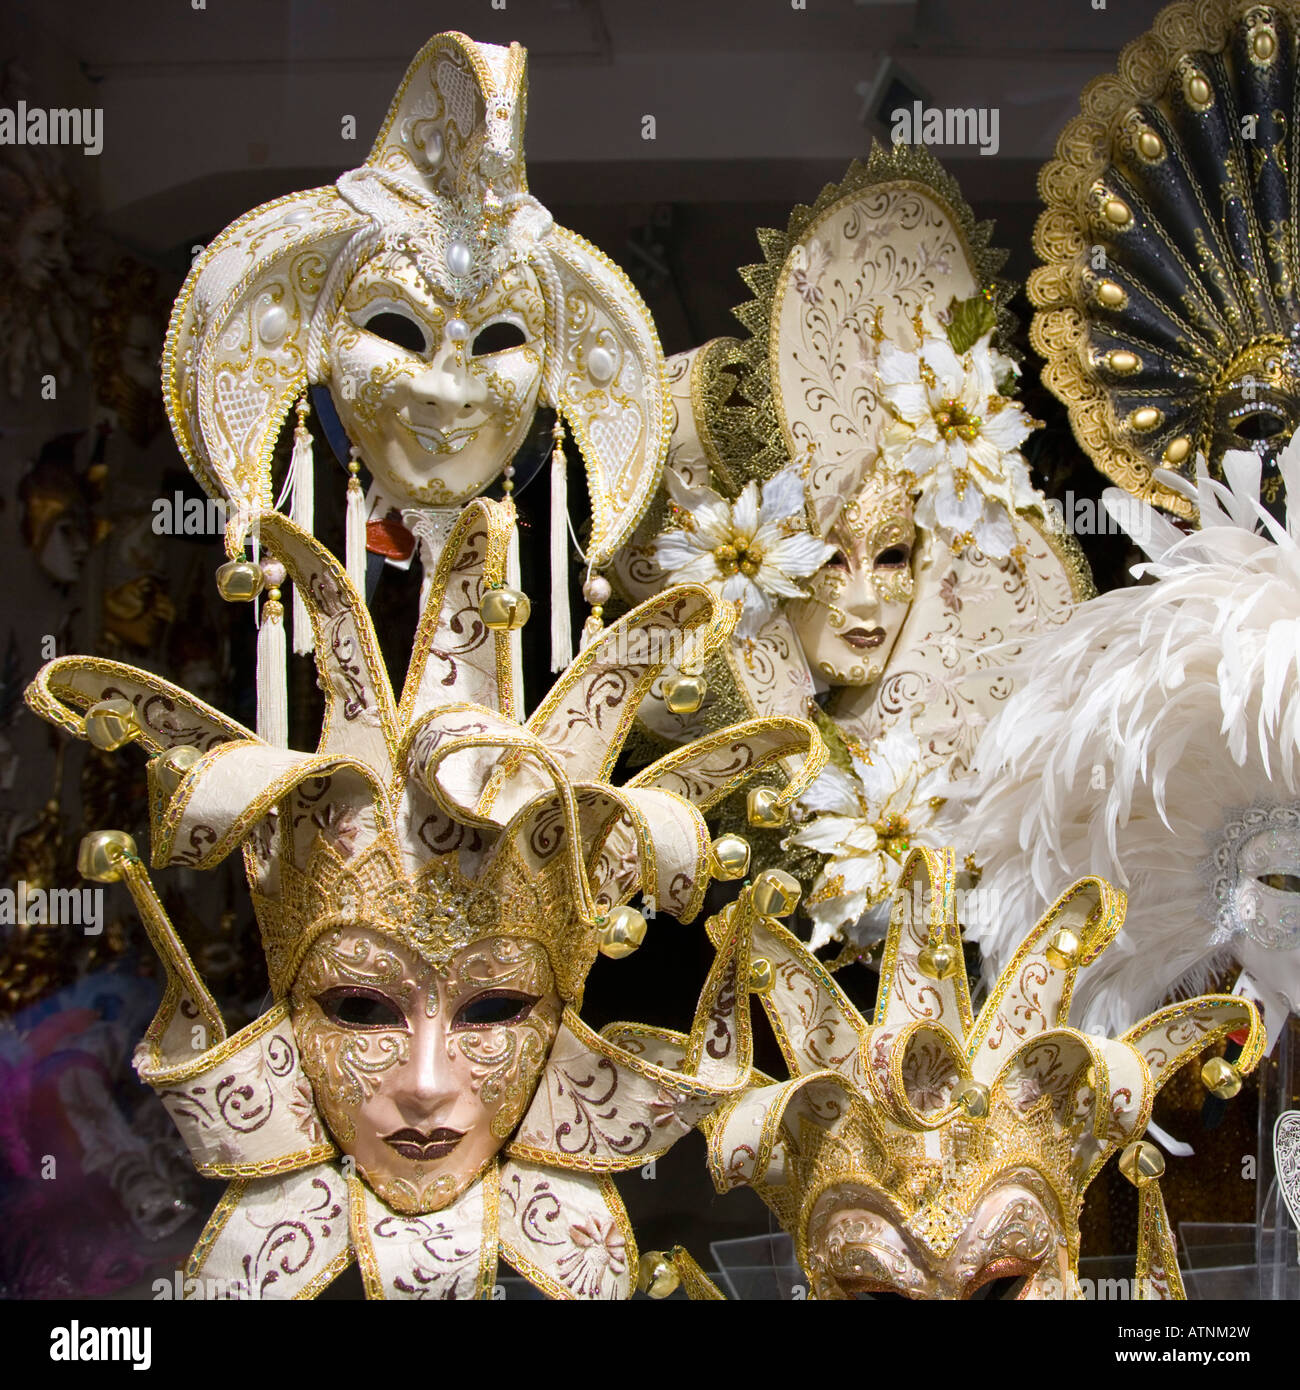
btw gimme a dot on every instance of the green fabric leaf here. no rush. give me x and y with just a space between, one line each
970 319
832 738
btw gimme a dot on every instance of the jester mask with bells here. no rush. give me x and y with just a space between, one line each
1169 297
782 490
438 301
432 885
930 1154
1157 740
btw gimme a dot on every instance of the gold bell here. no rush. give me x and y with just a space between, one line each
238 581
655 1274
171 766
620 933
1141 1163
939 962
775 893
761 975
685 694
101 854
111 724
974 1099
764 810
1064 949
504 609
729 858
1221 1078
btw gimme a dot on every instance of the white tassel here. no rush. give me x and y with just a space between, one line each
514 580
561 626
302 510
272 676
354 548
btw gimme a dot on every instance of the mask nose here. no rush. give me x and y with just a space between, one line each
450 388
859 597
425 1085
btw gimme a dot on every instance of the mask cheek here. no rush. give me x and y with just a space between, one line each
366 385
348 1070
500 1067
513 380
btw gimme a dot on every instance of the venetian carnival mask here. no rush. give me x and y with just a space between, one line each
860 598
421 1073
1013 1232
932 1153
1255 873
57 497
1203 828
437 390
438 301
432 884
1161 355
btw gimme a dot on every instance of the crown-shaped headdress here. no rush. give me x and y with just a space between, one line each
439 815
919 1112
445 182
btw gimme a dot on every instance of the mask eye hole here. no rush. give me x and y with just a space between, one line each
351 1007
494 1009
398 329
1258 424
1284 883
894 557
1002 1281
879 1295
498 337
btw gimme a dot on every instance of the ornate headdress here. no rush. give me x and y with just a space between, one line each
1156 740
438 819
444 181
929 1151
1170 299
785 440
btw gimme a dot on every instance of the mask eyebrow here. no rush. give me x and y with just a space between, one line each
379 279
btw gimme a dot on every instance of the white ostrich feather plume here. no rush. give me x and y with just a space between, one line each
1134 733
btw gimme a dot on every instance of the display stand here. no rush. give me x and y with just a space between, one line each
1276 1253
1238 1261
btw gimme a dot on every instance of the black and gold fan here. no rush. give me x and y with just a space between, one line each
1169 304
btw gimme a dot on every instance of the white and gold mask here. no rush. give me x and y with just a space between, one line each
859 600
436 389
432 883
438 301
933 1153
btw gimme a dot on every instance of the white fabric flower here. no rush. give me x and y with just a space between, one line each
751 550
864 821
959 438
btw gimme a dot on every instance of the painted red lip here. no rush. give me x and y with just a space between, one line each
864 638
423 1148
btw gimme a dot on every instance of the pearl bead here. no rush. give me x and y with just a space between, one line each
596 589
459 259
600 365
433 148
299 217
273 325
457 329
273 573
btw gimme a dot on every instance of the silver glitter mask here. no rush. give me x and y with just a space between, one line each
1255 877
